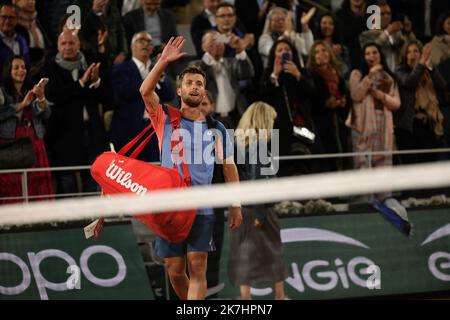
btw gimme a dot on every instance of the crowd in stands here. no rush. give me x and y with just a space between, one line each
320 67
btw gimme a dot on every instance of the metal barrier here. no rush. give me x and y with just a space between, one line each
24 172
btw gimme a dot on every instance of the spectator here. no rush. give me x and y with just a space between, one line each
253 13
423 14
297 10
419 121
203 22
328 31
126 6
130 117
233 37
441 59
213 271
390 38
11 43
330 107
441 42
22 114
277 26
29 26
75 132
49 14
287 87
222 77
237 39
99 16
157 21
375 96
352 20
256 251
207 107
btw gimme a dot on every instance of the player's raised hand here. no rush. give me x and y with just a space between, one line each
173 49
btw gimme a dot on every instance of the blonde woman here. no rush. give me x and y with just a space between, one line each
279 25
256 248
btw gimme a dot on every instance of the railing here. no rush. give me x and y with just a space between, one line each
24 172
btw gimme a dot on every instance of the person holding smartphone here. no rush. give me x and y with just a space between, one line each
22 114
288 87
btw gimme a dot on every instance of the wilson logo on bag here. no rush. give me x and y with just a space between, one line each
118 174
123 178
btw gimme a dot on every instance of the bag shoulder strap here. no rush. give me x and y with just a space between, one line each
125 149
175 120
218 167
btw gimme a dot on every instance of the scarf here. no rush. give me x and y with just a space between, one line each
73 66
427 105
331 78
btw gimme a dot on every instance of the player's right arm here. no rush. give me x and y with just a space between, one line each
172 52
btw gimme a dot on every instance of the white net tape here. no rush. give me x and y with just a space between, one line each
263 191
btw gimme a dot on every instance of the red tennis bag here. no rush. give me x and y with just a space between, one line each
116 174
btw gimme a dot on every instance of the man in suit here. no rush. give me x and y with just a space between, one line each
253 14
75 134
159 22
103 15
11 43
130 117
204 21
126 6
222 77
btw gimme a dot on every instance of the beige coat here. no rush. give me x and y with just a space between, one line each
440 51
363 118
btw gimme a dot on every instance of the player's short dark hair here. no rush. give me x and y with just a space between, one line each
191 70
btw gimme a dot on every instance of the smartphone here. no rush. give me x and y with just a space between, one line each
221 38
286 56
43 82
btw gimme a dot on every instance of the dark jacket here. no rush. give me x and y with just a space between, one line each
408 79
251 170
331 132
299 95
200 24
91 23
351 27
134 21
66 141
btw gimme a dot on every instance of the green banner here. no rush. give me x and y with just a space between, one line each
62 264
359 255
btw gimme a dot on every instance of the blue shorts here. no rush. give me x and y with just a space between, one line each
200 239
